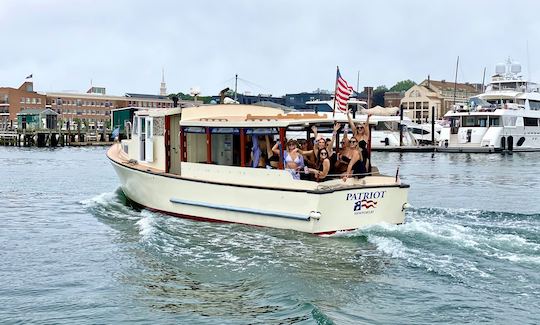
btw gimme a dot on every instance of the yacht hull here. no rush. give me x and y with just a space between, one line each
320 210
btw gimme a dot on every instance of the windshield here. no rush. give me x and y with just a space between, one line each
478 102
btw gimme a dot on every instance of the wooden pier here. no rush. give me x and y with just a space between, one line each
52 138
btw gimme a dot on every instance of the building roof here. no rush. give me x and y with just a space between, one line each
33 111
85 95
147 96
449 86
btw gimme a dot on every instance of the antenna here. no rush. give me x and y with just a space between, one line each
235 87
528 68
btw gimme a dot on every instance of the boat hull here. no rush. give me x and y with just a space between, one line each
320 211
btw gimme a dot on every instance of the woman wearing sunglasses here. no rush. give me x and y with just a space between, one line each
292 159
323 165
361 133
353 157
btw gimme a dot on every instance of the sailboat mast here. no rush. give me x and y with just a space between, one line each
455 81
484 80
358 85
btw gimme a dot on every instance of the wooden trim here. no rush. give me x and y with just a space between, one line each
282 150
208 145
314 191
183 153
290 116
242 147
167 143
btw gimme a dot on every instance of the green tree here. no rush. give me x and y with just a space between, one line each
378 95
182 96
403 85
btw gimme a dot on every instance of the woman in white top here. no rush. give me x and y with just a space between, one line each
292 159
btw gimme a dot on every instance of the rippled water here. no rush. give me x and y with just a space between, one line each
73 252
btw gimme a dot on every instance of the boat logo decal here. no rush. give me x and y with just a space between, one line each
365 202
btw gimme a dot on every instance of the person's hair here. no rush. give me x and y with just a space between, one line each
292 141
323 150
319 160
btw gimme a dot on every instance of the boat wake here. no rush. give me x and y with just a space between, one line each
460 243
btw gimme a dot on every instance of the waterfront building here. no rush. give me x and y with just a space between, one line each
36 119
298 100
393 98
14 100
93 108
419 99
247 99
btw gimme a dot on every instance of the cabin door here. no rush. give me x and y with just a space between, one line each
174 135
149 140
141 130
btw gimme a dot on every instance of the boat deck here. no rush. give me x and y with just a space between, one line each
253 177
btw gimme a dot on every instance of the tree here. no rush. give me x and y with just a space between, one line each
182 96
378 95
403 85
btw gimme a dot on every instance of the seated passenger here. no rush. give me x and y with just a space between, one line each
323 166
353 158
258 153
273 158
306 149
292 159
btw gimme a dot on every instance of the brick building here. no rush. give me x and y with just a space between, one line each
14 100
393 98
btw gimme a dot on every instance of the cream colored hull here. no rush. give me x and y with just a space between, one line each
263 197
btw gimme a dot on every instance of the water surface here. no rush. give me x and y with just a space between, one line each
73 251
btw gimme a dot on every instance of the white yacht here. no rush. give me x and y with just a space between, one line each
385 132
504 118
193 163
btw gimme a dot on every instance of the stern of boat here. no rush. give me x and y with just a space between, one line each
360 206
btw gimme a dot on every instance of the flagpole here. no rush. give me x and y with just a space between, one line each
335 93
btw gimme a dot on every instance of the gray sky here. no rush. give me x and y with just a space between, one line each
277 46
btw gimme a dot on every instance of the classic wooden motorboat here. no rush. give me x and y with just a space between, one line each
193 163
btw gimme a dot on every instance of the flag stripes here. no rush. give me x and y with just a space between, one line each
343 92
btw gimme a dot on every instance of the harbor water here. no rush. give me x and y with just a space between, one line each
73 252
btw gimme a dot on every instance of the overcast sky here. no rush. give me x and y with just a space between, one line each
275 47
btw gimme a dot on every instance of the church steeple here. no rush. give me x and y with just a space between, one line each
163 88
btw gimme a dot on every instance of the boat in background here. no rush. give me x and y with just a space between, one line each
506 117
193 163
385 121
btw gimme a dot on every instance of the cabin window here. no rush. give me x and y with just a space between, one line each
535 106
509 120
494 121
135 126
468 121
481 122
528 121
226 147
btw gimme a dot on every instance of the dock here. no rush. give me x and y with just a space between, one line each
53 138
426 148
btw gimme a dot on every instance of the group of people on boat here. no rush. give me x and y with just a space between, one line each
317 158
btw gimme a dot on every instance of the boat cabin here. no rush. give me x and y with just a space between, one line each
222 135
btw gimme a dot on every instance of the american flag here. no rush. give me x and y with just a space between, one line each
343 92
